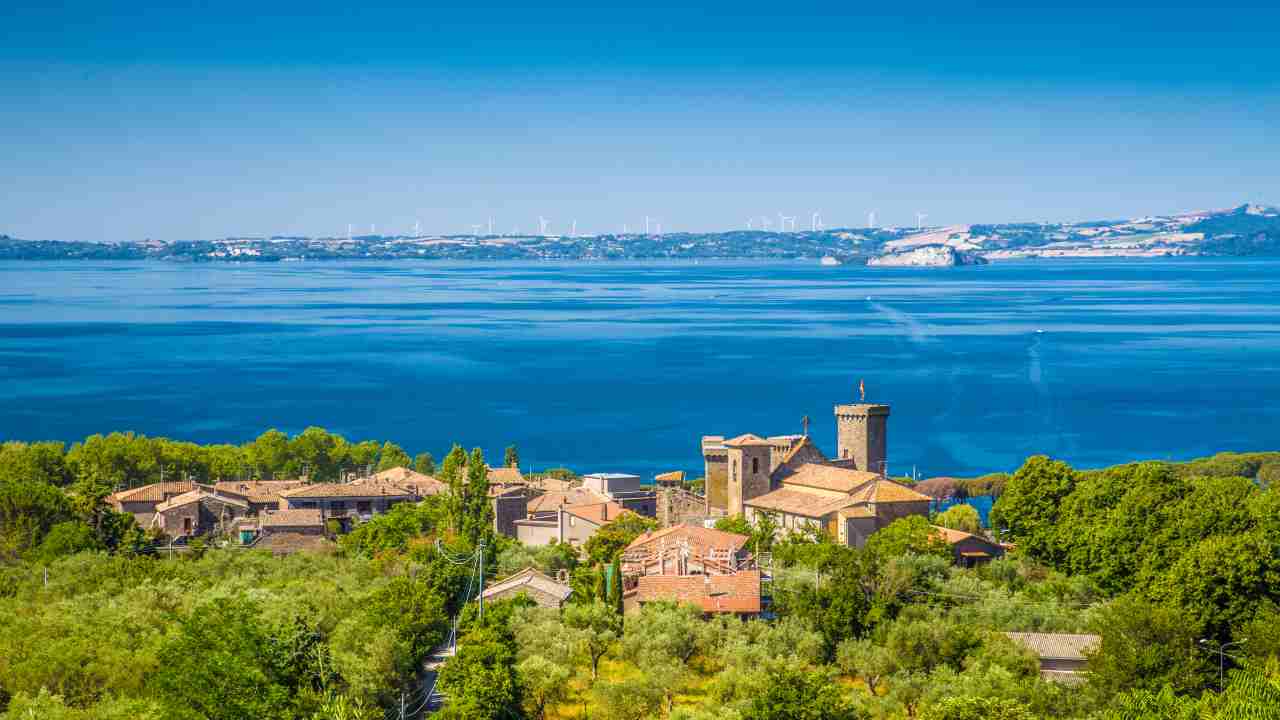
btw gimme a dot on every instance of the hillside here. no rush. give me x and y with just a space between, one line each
1244 230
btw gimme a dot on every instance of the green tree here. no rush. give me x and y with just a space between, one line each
269 455
392 456
801 695
66 538
962 517
909 535
216 666
34 462
452 474
477 522
1027 511
614 536
867 661
663 639
596 629
761 534
543 685
480 681
511 458
425 464
615 585
1146 646
28 509
977 708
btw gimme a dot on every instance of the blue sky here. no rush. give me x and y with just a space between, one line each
185 121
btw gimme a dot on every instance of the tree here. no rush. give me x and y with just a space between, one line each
511 458
66 538
269 454
596 629
662 640
614 536
867 661
1146 646
34 462
543 684
216 666
477 521
977 708
1027 512
452 474
425 464
28 509
912 534
392 456
761 534
800 695
480 680
960 517
840 605
615 585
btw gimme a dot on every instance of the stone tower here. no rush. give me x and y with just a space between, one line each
861 434
748 470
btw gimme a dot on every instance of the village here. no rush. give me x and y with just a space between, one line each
782 481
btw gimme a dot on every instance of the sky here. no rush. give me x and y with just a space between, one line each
182 121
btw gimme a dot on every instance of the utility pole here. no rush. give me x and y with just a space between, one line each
480 597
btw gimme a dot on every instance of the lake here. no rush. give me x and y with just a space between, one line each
621 366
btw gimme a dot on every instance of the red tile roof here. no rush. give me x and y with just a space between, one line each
155 492
736 593
747 440
598 513
292 518
700 539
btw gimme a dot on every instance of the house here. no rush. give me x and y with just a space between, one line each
509 503
303 522
549 501
1063 657
846 503
141 501
346 502
674 479
736 594
199 512
625 490
540 588
686 550
416 483
262 495
573 524
969 549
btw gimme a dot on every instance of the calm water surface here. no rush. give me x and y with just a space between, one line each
622 366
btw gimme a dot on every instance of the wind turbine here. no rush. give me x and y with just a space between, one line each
920 220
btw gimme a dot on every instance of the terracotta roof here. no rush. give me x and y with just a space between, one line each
529 577
954 536
406 479
857 511
197 495
506 475
736 593
257 491
746 440
675 476
155 492
598 513
888 491
551 484
324 490
1057 646
292 518
829 477
573 496
800 501
700 539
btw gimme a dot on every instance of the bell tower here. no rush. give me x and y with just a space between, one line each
861 435
748 471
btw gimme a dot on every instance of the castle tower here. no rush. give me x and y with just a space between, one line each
749 469
861 434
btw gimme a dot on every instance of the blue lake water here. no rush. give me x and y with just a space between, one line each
622 366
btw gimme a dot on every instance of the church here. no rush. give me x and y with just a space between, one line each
788 477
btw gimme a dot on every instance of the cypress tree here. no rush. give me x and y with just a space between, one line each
451 475
615 585
512 457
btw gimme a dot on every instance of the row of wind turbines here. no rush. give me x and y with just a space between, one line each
652 226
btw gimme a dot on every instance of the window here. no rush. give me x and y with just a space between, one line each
337 506
755 465
364 506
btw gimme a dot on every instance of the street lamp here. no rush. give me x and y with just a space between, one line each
1221 650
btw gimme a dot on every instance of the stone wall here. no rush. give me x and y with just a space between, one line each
862 435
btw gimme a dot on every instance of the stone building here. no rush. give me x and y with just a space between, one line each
735 594
141 501
199 512
1063 657
686 550
540 588
262 495
509 505
346 503
968 549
